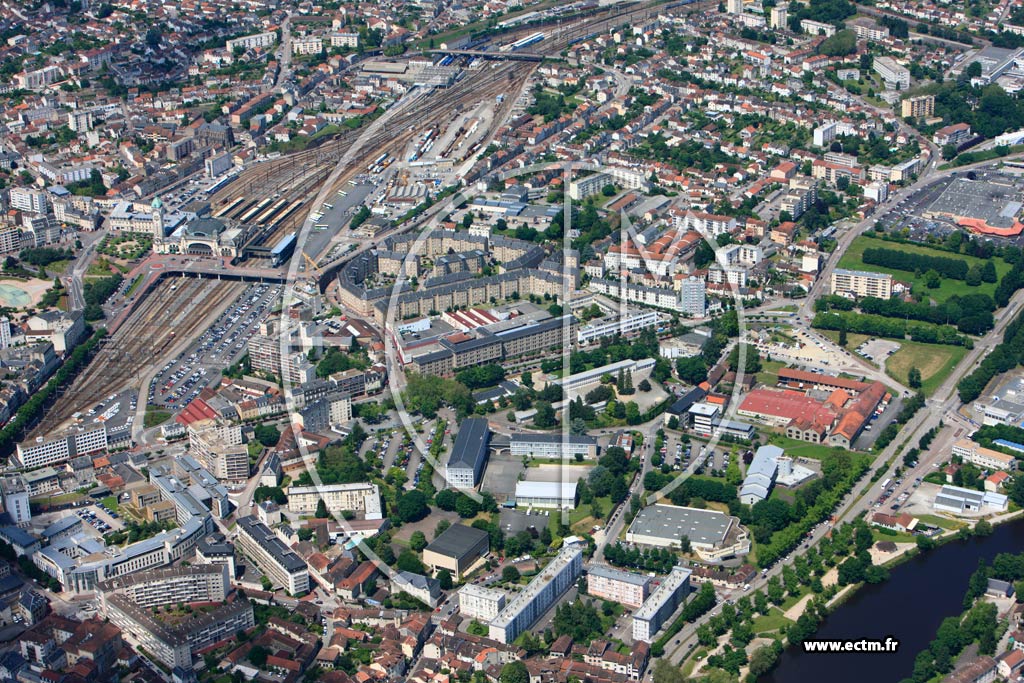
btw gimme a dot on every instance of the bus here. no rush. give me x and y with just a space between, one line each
885 484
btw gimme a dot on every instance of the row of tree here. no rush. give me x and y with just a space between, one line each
972 314
892 328
955 269
1003 358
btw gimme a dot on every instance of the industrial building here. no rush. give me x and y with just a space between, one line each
543 590
558 495
469 453
458 549
648 620
958 500
760 475
713 535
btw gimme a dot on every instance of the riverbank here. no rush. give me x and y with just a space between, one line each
775 625
908 606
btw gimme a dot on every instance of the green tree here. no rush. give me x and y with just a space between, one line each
444 577
514 672
418 541
545 416
409 562
914 378
321 510
510 574
412 506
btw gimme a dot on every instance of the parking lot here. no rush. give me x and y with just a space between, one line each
877 350
101 518
220 346
878 422
116 411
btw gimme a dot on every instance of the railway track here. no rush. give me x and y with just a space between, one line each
174 313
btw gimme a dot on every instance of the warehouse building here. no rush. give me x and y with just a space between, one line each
469 453
546 494
533 601
647 620
458 549
958 500
713 535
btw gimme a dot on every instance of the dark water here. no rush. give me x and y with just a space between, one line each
909 607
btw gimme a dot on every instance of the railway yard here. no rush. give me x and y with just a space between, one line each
288 184
182 378
175 311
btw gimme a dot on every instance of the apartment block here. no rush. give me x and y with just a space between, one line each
280 564
920 106
479 602
861 283
648 620
626 588
533 601
360 498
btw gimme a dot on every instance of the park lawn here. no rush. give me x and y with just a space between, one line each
800 449
935 520
852 260
773 621
111 503
581 519
786 308
898 537
57 267
852 340
154 417
769 374
935 361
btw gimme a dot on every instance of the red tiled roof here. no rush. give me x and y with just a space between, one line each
786 404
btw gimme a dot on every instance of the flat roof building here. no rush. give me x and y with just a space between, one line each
647 620
533 601
275 559
469 453
479 602
626 588
712 534
457 549
564 446
357 497
861 283
546 494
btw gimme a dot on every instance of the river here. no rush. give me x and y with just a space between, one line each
919 594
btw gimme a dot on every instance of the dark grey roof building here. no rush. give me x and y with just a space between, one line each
457 549
469 453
